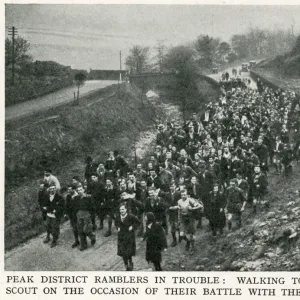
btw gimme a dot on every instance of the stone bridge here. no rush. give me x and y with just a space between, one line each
162 79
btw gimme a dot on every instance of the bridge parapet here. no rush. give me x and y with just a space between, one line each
163 79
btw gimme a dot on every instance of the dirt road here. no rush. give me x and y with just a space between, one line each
54 99
217 77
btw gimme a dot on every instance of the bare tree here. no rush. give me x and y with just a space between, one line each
138 59
21 48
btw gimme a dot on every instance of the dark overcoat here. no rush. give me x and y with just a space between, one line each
216 202
126 238
156 242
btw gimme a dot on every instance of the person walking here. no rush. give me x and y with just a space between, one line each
156 241
186 206
84 221
215 211
54 205
235 204
126 224
71 211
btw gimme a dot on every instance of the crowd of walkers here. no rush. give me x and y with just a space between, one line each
214 166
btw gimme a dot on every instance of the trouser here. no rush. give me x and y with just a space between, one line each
73 222
141 226
234 217
215 227
287 169
174 227
110 213
44 215
93 218
187 227
53 227
271 155
278 165
109 222
84 223
101 215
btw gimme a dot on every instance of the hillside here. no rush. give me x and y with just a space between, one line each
283 70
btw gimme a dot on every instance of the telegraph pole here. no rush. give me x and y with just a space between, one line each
121 66
13 33
120 76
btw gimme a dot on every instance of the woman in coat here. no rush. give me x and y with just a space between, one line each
215 211
126 224
156 241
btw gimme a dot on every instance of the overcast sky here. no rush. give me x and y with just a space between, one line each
91 36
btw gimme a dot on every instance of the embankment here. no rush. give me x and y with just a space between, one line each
274 79
255 75
61 139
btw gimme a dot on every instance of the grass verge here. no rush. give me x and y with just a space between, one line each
61 138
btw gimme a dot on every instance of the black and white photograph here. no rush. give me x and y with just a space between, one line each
152 137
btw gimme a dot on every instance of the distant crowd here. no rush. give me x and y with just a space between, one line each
214 166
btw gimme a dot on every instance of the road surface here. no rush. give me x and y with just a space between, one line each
54 99
37 256
217 77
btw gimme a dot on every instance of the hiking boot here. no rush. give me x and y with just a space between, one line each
76 243
82 248
53 244
108 233
46 240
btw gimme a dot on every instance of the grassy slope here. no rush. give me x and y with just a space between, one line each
283 70
66 140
